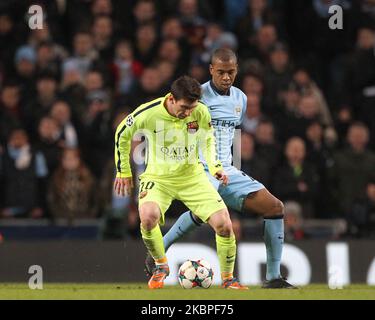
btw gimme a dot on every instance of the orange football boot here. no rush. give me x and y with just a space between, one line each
158 277
232 283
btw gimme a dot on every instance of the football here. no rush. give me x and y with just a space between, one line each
195 273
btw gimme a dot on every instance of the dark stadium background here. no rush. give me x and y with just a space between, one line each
309 134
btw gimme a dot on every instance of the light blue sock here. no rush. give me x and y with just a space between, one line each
273 234
184 224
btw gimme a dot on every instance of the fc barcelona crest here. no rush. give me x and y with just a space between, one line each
192 127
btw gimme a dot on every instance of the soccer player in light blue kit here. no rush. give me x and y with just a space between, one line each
227 105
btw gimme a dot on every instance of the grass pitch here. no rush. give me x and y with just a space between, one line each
126 291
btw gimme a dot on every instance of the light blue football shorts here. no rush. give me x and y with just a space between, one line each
239 187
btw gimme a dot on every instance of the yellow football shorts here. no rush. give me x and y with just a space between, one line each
197 193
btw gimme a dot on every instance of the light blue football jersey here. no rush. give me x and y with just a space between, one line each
227 113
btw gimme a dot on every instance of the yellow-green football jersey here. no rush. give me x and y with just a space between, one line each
172 143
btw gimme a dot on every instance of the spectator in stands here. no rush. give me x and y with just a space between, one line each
40 105
344 119
353 167
47 61
308 111
149 87
144 11
293 218
49 142
172 29
252 83
266 145
84 53
10 110
101 7
259 47
40 37
93 81
8 40
193 23
71 194
359 82
361 217
125 68
277 74
25 62
102 31
167 70
73 90
319 152
98 137
190 15
308 87
297 179
199 71
61 113
297 113
170 50
146 43
258 14
328 43
22 173
253 114
251 163
233 12
217 37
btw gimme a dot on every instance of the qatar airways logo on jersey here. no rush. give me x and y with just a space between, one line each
177 144
179 153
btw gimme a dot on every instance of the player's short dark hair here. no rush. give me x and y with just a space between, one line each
186 88
224 54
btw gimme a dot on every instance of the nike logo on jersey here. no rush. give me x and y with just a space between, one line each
159 131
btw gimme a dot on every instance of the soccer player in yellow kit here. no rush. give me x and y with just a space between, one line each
175 126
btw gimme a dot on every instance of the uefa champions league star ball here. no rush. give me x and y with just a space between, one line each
195 273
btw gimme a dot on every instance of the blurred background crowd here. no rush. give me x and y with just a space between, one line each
309 131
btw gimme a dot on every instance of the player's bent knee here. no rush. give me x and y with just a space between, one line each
221 223
282 207
225 228
149 216
277 209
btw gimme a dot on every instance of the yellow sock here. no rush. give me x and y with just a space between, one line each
226 275
153 240
161 261
226 251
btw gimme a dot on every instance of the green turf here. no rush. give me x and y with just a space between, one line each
141 292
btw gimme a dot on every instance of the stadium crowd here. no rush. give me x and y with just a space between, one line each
309 131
